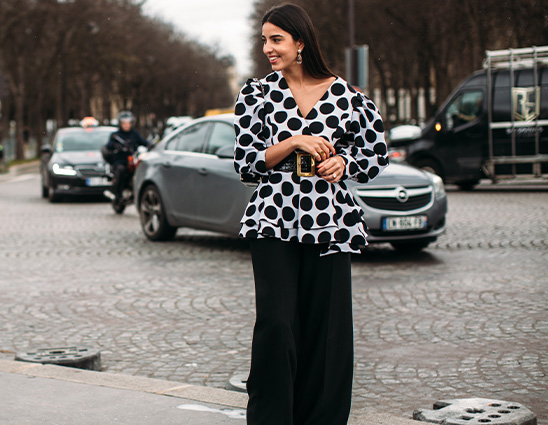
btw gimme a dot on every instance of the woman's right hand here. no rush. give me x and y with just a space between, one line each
318 147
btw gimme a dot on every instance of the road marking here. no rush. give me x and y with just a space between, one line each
231 413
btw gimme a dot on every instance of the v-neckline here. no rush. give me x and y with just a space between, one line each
299 112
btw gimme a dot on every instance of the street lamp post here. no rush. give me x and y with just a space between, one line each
351 29
357 57
351 41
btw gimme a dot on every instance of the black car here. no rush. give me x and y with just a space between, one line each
494 125
74 165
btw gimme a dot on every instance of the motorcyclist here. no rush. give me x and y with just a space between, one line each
123 143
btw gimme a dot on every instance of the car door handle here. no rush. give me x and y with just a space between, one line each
166 164
203 171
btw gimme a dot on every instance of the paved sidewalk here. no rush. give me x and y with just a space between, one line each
18 170
32 393
27 167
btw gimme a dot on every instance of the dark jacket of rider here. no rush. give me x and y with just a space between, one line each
124 143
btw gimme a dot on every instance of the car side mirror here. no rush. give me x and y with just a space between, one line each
226 152
46 149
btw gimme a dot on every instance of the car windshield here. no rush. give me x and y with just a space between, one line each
81 140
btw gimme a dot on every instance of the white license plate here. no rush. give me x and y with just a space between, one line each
415 222
97 181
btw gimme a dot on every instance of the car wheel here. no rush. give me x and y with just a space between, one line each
429 165
467 184
409 246
153 217
52 195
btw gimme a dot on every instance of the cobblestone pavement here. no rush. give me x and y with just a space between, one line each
468 317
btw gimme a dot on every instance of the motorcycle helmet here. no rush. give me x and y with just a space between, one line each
125 116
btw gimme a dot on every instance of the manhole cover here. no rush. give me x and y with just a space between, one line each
77 357
476 411
237 383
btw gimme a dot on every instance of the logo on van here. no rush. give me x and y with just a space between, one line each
526 103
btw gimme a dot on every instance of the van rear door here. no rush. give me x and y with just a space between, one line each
517 81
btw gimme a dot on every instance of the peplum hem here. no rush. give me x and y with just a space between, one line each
337 238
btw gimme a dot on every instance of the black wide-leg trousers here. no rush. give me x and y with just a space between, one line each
302 352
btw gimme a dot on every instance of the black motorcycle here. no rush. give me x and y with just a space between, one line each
125 198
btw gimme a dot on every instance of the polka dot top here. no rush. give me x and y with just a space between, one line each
307 209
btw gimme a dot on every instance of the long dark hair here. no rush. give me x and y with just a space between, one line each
294 20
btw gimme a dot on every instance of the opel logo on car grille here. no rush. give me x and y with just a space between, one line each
402 194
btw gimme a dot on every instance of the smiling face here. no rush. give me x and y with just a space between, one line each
279 47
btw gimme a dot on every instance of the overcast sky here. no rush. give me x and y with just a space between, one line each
224 23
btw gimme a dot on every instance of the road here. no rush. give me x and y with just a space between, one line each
468 317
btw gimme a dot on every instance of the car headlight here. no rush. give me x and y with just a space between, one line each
439 188
63 170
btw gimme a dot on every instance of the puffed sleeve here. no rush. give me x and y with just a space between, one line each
367 154
250 148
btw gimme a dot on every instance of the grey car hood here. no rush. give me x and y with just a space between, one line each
78 157
398 175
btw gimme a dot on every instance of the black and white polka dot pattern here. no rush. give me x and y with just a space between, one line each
307 209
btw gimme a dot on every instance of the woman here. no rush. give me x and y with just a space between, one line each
302 223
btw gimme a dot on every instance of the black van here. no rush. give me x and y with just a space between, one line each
494 125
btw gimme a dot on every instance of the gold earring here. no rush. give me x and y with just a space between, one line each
299 57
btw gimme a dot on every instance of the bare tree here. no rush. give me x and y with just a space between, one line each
419 44
64 60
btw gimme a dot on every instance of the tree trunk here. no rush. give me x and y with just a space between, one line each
63 93
5 118
17 84
106 96
384 95
39 128
59 96
397 104
19 102
429 108
414 115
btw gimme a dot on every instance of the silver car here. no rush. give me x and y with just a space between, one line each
188 180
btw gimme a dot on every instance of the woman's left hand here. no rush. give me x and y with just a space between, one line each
332 169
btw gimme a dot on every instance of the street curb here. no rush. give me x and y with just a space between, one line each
168 388
28 167
127 382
